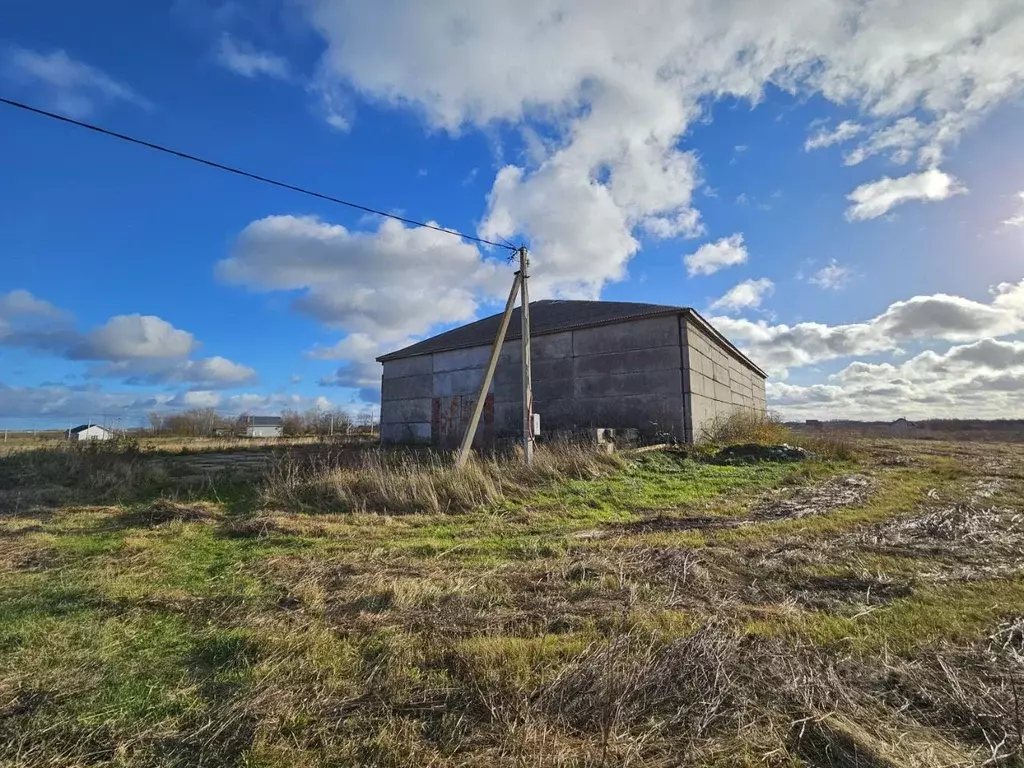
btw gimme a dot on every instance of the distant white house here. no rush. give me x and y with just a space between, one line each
88 432
264 426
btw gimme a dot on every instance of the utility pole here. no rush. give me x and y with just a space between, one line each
478 408
524 263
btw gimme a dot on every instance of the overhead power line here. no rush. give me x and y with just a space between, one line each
246 174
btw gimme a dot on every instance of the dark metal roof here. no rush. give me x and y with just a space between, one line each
83 427
263 421
555 316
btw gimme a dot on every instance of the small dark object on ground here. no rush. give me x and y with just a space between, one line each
749 453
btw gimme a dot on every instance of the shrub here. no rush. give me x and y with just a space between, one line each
745 427
835 444
767 429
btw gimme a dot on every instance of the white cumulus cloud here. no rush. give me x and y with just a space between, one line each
207 373
877 198
21 303
127 337
981 379
921 318
613 89
712 257
139 349
388 283
360 369
845 131
746 295
379 288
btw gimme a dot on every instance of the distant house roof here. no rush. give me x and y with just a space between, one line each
263 421
83 427
556 316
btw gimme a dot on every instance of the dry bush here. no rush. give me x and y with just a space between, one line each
406 481
977 692
745 427
835 444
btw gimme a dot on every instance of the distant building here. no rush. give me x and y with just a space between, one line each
902 426
88 432
264 426
596 364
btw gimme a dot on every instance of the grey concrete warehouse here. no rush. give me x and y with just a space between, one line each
655 368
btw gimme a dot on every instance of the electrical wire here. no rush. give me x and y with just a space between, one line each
246 174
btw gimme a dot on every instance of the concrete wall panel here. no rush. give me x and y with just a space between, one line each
508 418
620 337
458 359
722 392
654 359
466 381
407 387
410 366
700 384
409 432
552 389
701 363
511 352
556 368
648 413
717 384
640 383
399 411
550 346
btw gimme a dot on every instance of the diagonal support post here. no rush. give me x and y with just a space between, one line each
478 407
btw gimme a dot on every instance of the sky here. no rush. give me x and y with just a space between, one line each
837 185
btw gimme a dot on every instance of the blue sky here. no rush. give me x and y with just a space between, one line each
841 199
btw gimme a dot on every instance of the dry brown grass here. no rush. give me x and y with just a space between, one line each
823 632
99 470
836 445
403 482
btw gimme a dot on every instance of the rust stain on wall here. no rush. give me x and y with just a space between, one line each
450 416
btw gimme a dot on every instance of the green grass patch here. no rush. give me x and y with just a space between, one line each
898 493
666 480
937 614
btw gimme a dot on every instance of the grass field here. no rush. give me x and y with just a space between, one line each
297 607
